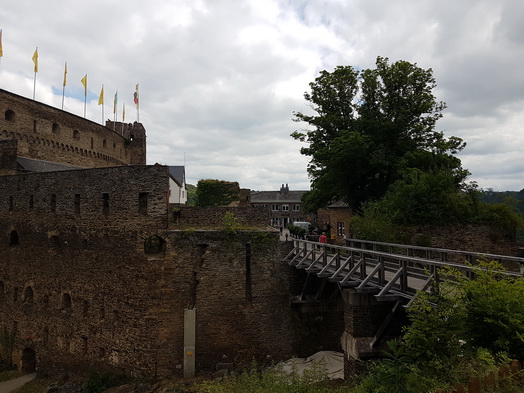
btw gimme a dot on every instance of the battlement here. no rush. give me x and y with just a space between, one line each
47 133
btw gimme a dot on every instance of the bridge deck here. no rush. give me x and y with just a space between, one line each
389 271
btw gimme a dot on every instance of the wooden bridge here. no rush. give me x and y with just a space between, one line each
376 279
386 270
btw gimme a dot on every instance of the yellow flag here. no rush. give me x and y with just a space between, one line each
101 98
65 73
1 51
123 112
84 82
35 59
115 102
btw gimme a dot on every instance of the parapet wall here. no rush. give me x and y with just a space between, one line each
47 133
213 217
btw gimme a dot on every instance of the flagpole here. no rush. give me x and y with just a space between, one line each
64 84
35 61
137 103
123 116
84 82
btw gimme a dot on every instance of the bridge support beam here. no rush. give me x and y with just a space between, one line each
365 319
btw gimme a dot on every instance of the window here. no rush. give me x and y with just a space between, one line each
28 295
296 208
10 115
275 208
104 143
77 203
53 203
340 228
154 245
56 128
13 238
142 203
285 208
105 203
76 134
66 303
35 123
31 201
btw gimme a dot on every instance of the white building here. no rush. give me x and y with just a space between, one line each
177 185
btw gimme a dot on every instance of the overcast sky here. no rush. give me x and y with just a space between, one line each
220 79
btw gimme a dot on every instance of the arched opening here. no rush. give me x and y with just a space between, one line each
54 243
10 115
28 361
66 303
154 245
2 289
28 295
13 238
76 134
56 128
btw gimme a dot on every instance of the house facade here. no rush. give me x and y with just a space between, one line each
286 206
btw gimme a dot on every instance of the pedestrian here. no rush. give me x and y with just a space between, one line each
323 238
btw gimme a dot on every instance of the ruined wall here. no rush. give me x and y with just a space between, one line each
213 217
76 284
47 133
91 276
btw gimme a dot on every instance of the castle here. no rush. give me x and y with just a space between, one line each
96 273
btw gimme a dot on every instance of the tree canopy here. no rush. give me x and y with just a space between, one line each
372 128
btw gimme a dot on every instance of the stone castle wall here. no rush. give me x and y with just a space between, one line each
213 217
91 276
47 133
75 282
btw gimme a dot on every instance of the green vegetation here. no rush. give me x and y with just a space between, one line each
372 129
191 194
230 223
216 192
464 328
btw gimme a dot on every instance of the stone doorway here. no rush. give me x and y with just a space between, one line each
28 361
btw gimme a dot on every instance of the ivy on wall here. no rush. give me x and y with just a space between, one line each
216 192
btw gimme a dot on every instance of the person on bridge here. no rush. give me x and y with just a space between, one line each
322 238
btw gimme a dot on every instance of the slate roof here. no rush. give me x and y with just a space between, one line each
178 174
31 165
276 196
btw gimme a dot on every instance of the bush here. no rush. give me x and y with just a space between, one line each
98 382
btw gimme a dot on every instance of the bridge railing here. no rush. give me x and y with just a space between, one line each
442 254
390 274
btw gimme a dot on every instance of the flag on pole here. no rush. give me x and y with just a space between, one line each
35 59
115 102
84 82
1 51
136 96
101 97
65 73
123 112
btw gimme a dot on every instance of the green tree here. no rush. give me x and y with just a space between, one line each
370 129
216 192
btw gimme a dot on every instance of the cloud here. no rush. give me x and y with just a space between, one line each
220 80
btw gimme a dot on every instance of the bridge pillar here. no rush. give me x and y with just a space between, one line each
368 325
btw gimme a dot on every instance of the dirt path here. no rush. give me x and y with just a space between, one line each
12 384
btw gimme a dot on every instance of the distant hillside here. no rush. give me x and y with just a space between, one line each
514 198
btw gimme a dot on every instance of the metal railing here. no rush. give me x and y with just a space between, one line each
389 271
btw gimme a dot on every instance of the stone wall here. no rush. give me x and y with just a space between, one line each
76 284
91 276
213 217
47 133
8 155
